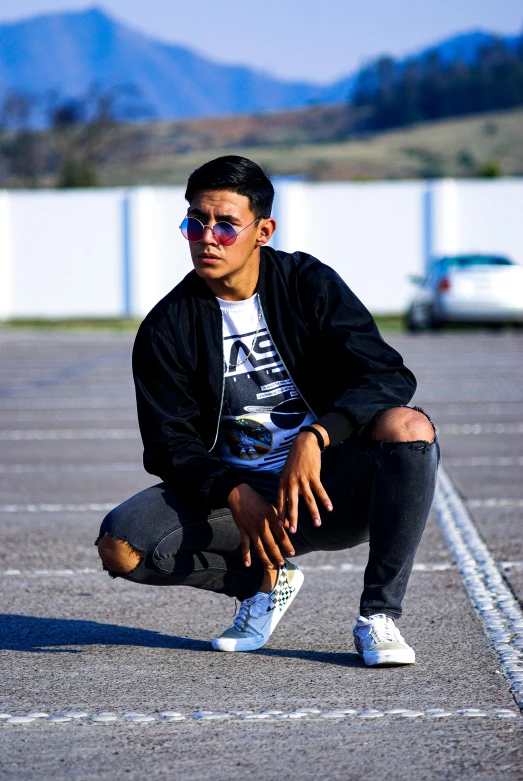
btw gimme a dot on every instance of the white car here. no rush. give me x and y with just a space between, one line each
468 289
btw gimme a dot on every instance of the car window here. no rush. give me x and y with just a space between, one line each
465 261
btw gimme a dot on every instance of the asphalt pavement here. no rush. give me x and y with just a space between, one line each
116 680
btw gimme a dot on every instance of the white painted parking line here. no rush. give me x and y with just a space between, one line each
69 402
484 461
52 573
89 507
499 611
494 503
69 416
467 429
265 715
466 408
333 568
21 469
16 435
347 567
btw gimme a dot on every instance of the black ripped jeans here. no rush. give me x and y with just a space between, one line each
380 491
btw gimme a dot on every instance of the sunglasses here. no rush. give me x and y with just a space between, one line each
223 232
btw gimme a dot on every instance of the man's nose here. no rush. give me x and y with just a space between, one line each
206 238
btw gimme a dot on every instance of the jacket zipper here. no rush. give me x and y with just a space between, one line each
281 359
222 393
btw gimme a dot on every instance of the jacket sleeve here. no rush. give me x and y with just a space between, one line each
373 375
168 417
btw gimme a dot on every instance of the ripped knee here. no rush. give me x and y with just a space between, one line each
404 424
118 556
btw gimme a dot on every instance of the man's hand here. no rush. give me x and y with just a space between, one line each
301 475
258 522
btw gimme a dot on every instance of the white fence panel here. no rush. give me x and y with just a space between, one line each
491 217
67 254
159 255
370 233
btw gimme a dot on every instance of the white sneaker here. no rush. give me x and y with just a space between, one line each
379 641
259 615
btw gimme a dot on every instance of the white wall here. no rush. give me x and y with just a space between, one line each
115 252
159 256
66 253
370 233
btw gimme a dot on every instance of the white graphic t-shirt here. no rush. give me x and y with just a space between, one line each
262 411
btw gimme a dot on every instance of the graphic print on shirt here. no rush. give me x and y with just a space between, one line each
262 410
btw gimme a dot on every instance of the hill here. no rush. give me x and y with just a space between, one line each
311 144
68 53
488 144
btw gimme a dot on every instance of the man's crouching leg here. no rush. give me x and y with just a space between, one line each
405 451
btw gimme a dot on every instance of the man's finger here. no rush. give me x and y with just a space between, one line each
283 540
246 549
272 549
262 554
292 507
311 506
322 495
282 504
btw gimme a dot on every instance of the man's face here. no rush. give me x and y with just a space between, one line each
213 261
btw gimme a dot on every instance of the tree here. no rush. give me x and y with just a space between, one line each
20 146
83 131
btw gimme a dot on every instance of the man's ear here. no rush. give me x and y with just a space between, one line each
266 229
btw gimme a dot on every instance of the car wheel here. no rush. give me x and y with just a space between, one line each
411 324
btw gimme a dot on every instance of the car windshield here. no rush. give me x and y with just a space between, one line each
463 261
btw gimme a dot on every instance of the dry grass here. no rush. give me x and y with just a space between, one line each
457 148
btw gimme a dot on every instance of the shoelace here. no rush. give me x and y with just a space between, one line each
255 607
382 629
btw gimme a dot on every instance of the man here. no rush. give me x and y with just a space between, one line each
276 417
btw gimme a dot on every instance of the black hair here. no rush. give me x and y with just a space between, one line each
237 174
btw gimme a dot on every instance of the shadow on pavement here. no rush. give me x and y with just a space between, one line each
56 635
49 635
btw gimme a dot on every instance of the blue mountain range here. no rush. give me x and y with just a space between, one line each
68 53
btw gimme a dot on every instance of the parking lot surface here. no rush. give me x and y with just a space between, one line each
117 680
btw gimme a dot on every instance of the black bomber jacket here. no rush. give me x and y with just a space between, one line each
327 340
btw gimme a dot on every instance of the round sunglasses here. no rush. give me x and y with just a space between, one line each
223 232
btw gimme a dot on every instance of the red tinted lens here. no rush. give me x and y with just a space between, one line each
191 229
224 233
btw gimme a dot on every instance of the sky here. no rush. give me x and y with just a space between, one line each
296 39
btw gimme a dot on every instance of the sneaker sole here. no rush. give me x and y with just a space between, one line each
229 644
389 658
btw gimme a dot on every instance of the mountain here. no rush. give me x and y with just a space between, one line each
70 52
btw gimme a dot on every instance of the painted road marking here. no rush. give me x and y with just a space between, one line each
265 715
27 403
21 469
89 507
466 429
495 604
16 435
69 416
344 567
485 461
494 502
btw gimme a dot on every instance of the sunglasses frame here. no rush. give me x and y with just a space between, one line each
222 222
